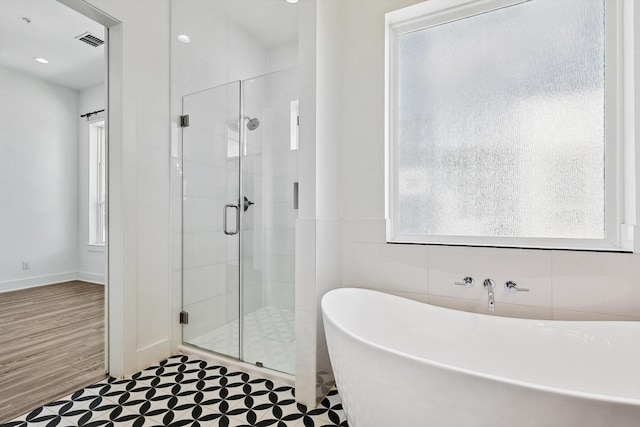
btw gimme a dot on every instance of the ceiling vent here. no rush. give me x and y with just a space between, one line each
90 39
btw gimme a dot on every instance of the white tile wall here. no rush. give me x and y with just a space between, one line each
597 282
205 316
204 282
202 214
559 314
563 284
203 180
385 267
205 248
502 309
528 268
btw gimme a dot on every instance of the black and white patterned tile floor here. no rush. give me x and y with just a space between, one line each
183 391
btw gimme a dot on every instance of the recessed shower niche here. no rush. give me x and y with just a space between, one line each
239 206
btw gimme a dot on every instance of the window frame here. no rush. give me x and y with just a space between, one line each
97 175
619 178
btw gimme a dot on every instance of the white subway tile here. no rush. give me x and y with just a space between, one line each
597 282
305 265
423 298
383 266
528 268
205 282
205 316
202 249
559 314
202 214
364 230
501 309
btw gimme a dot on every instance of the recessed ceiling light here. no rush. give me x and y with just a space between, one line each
292 1
184 38
40 60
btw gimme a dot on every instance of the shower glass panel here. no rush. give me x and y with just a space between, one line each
269 178
211 220
240 182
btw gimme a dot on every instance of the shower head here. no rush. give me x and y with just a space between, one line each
252 124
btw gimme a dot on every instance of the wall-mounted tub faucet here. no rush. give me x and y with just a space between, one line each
490 284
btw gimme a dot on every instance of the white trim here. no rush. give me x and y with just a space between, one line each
92 247
89 277
270 374
34 282
629 163
152 354
90 12
620 188
440 12
118 301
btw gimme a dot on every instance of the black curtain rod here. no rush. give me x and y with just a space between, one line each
91 113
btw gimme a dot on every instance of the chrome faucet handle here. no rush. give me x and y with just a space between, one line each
513 287
466 282
489 282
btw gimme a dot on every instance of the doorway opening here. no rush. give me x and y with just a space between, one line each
53 205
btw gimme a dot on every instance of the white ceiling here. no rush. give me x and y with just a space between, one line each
51 35
273 22
53 28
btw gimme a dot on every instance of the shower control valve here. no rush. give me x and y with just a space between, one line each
467 282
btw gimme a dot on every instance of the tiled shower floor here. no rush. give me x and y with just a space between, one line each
269 338
183 391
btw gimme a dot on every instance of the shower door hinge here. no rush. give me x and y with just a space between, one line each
184 318
184 121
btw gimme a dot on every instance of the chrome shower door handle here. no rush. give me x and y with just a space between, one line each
224 219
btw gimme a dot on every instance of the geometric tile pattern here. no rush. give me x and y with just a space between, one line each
268 337
184 391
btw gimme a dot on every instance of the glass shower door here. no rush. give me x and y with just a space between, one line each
270 179
211 219
240 180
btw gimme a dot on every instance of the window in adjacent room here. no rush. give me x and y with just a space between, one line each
97 184
502 124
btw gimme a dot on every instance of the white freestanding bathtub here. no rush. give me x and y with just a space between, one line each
401 363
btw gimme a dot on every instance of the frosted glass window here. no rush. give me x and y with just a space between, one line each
500 124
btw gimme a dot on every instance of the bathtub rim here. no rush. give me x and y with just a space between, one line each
533 386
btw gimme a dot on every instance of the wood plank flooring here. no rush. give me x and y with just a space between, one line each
51 343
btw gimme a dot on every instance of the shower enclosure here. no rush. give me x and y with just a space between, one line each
239 177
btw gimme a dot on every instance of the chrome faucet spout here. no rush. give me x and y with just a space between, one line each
490 284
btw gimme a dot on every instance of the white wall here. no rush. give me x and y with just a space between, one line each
282 57
219 52
564 284
91 259
38 181
318 227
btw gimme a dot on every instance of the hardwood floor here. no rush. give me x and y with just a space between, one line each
51 343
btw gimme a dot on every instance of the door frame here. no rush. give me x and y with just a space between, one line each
114 301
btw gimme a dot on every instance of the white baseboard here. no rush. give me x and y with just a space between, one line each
50 279
85 276
153 354
32 282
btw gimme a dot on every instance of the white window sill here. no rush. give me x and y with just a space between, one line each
95 248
